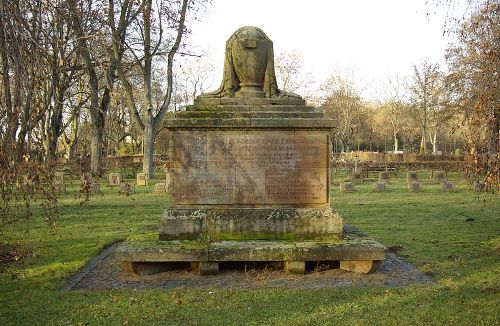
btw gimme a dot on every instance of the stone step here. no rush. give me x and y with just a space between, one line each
250 115
252 108
249 101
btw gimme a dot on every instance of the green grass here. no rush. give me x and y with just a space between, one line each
463 258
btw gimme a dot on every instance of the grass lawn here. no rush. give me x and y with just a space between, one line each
462 257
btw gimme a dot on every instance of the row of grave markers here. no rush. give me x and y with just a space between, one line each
114 180
383 180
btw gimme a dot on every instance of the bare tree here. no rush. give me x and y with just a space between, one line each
343 103
290 73
424 98
83 15
148 42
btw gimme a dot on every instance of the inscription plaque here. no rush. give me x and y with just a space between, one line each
250 168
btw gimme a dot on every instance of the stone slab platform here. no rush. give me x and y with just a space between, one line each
250 224
355 251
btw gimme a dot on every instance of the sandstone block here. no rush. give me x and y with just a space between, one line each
161 187
208 268
142 179
359 266
295 267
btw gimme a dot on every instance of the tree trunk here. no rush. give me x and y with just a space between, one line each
149 141
96 144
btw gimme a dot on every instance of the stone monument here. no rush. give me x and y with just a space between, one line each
249 177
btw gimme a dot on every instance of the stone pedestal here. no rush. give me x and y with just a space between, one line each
249 168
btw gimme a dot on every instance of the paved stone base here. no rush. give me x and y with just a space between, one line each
104 272
355 249
250 224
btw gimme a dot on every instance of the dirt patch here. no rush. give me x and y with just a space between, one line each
10 254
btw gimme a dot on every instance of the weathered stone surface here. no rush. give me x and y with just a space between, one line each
360 266
411 176
251 251
208 268
142 179
345 249
356 178
246 223
161 187
173 251
127 189
383 176
414 186
354 246
58 183
447 186
249 67
256 168
380 186
439 176
114 179
347 186
295 267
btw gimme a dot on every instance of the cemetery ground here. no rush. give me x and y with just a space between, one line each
453 237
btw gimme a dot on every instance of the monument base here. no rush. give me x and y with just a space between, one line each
355 252
250 224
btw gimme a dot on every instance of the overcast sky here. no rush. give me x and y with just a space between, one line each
370 38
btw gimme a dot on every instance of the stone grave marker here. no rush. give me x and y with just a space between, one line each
127 189
161 187
414 186
439 176
58 182
249 167
380 186
447 186
356 177
142 179
411 176
347 186
383 176
90 184
114 179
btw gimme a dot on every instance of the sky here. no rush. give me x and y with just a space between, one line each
369 40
